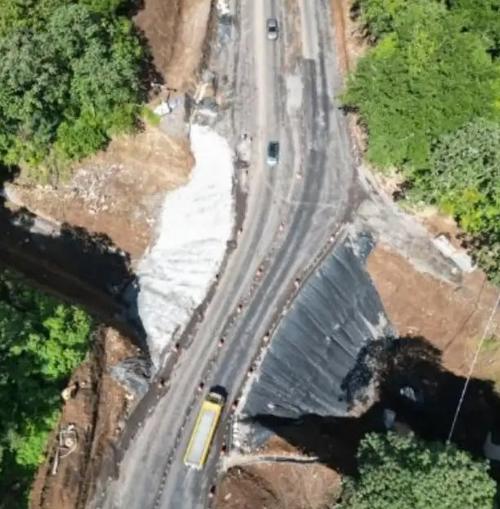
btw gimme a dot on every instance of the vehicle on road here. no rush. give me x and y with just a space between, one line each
272 29
204 430
273 153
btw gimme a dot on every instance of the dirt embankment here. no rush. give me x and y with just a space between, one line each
349 36
452 318
97 407
175 30
278 485
118 191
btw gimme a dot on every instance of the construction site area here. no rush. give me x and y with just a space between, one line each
386 322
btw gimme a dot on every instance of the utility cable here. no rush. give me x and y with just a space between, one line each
472 366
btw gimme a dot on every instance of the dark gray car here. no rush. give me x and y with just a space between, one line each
272 29
273 153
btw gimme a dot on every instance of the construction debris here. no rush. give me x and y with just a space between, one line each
68 442
70 391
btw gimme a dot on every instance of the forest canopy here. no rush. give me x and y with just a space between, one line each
397 472
69 78
428 93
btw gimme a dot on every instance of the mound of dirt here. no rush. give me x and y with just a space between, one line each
278 486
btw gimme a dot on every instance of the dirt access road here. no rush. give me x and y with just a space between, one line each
293 211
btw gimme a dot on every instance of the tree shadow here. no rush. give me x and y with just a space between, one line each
131 7
410 380
150 77
333 440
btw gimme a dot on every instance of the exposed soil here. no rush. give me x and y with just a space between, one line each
175 31
452 318
118 191
278 486
350 41
98 409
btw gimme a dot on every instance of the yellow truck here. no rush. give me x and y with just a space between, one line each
204 430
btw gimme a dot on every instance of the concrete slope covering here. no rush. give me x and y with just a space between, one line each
195 225
336 312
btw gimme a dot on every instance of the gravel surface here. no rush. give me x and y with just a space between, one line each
195 225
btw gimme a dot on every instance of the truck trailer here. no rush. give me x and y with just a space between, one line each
204 430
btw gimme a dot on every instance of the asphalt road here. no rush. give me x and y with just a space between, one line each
293 210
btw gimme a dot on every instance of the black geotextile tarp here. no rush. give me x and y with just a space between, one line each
316 345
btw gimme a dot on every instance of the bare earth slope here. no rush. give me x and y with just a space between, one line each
118 191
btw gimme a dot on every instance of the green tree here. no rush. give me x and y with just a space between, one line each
379 15
426 78
482 17
398 472
41 343
479 16
68 85
463 179
22 14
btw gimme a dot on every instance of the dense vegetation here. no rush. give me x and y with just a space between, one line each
41 343
398 472
69 78
429 95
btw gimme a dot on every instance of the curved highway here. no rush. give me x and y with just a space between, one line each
284 90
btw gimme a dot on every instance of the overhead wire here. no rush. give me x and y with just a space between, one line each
471 370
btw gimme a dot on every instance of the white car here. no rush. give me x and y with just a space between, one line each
272 29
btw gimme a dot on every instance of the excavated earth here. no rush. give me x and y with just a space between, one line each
117 192
97 407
